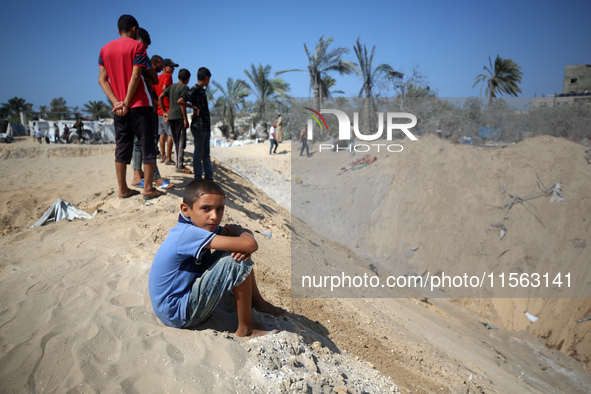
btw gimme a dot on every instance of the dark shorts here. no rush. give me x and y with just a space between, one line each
139 122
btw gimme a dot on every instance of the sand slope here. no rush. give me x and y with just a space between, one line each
442 199
76 314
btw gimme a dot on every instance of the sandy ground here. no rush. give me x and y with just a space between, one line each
76 314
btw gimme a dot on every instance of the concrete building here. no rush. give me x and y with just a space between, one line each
577 79
576 88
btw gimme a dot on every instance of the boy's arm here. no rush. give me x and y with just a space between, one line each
106 86
153 75
234 238
184 104
185 119
134 82
167 80
184 112
161 104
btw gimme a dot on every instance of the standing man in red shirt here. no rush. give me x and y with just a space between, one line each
164 81
121 63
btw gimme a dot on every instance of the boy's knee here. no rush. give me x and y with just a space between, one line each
227 259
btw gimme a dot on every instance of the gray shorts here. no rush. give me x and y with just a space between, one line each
208 290
163 127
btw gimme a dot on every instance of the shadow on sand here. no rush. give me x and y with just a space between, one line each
224 319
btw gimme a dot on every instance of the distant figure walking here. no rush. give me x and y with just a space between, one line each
79 129
66 134
439 131
273 139
56 133
304 141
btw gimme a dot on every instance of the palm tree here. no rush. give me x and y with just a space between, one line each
5 111
43 110
503 77
413 85
209 92
75 110
414 90
326 86
59 107
367 73
233 96
14 107
97 109
322 62
265 88
370 77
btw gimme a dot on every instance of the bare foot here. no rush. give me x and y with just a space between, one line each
154 194
257 330
267 307
130 193
163 183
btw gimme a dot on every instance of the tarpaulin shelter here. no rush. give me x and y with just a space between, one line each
491 133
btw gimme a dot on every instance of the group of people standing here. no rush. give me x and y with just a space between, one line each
148 107
59 137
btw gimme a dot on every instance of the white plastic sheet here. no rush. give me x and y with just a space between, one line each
557 194
61 210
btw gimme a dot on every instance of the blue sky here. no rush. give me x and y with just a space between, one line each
50 49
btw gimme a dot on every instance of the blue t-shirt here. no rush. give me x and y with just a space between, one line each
176 266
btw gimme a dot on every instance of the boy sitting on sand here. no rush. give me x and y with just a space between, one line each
187 280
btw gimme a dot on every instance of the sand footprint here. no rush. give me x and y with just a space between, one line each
128 300
56 356
144 383
38 288
175 353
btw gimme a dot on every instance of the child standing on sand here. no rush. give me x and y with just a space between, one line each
187 280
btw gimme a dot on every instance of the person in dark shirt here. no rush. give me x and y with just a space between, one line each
66 134
196 99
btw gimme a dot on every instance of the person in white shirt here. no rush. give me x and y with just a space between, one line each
273 139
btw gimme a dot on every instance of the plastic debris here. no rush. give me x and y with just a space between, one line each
266 233
532 318
557 194
61 210
489 326
373 268
502 232
579 244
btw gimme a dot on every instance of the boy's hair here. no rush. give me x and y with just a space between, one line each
155 58
198 188
203 73
126 23
184 74
143 35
